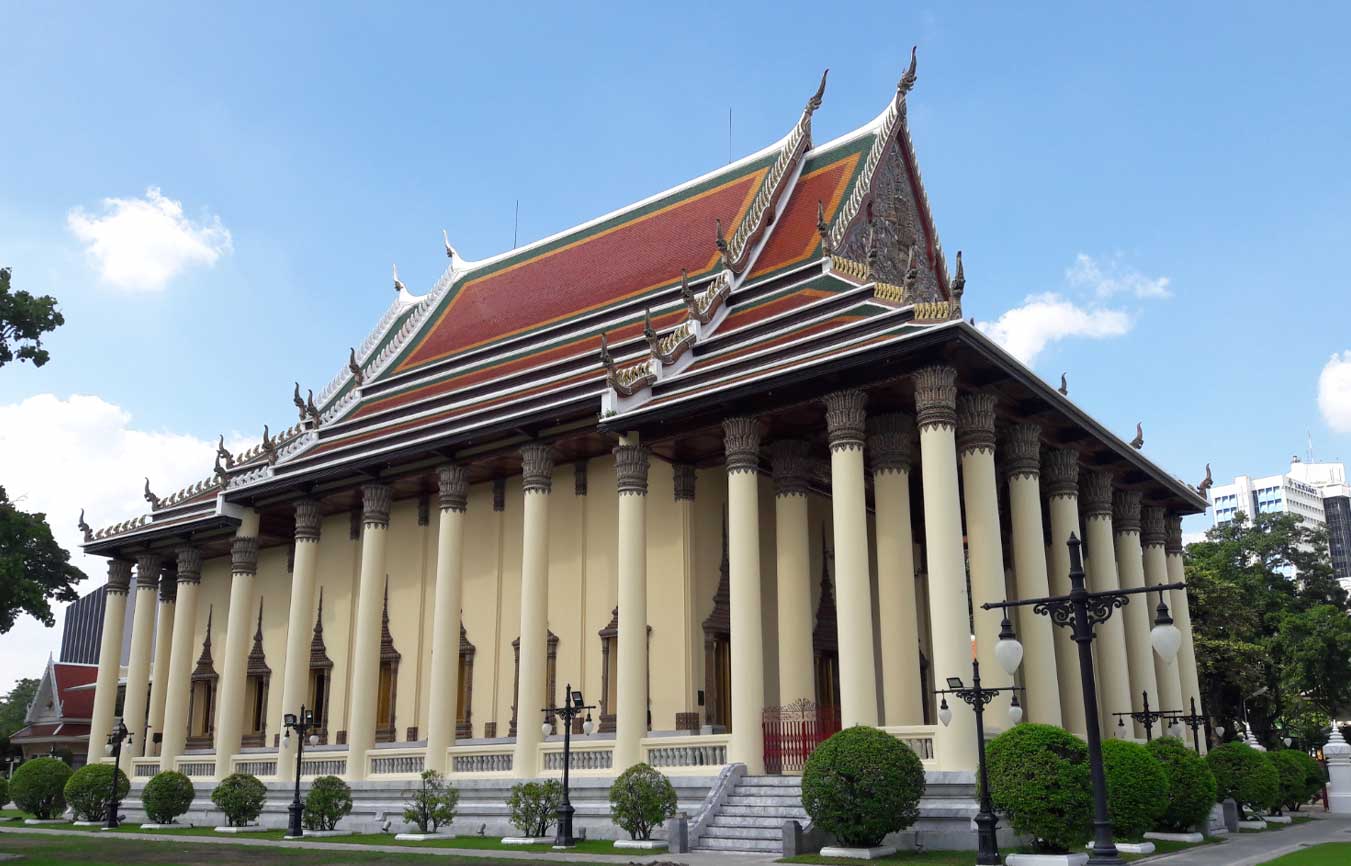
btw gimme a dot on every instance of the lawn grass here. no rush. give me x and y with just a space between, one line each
1326 854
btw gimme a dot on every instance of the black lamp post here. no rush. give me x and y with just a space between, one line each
1146 717
1193 720
1080 610
573 706
119 735
301 724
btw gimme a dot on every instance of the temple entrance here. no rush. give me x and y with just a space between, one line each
793 732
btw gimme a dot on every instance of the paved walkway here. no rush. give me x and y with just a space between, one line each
1249 849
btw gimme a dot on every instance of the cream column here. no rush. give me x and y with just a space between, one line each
235 666
537 465
453 486
683 479
1153 534
936 417
890 445
178 685
1022 455
295 684
1109 648
984 546
159 680
631 462
741 444
135 706
1182 618
1060 466
365 651
110 657
846 420
1130 565
788 460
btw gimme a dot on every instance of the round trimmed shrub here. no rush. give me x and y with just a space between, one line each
1191 785
1293 777
329 801
641 798
1039 779
1244 774
38 787
88 788
1137 788
166 796
1314 776
240 796
862 784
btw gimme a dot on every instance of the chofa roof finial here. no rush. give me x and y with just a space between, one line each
222 453
358 378
1205 482
606 359
823 227
269 446
650 333
84 527
908 79
721 243
451 252
311 410
150 497
815 101
299 403
398 284
1064 384
957 287
1139 441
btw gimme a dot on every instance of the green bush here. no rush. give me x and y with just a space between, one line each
38 787
329 801
88 788
1245 774
1137 788
1039 779
1314 777
240 796
1191 785
432 803
166 796
534 806
640 800
4 792
1293 777
862 784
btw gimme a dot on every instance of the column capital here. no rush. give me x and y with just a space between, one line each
308 519
147 571
792 470
1022 451
891 442
375 502
244 555
452 483
1060 466
975 422
936 397
168 585
119 576
846 419
537 468
741 444
631 463
1126 511
1096 494
1172 544
1153 526
684 481
189 565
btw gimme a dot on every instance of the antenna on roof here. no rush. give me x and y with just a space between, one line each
729 135
516 224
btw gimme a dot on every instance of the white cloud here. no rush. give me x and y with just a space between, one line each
1027 330
1334 392
58 456
139 244
1109 278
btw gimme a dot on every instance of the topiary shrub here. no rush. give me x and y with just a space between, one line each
1314 777
329 801
4 792
1191 785
641 798
88 788
1137 788
1039 779
432 803
1244 774
38 787
1290 770
240 796
166 796
534 806
862 784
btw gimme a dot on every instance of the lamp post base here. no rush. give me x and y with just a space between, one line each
564 838
296 828
987 846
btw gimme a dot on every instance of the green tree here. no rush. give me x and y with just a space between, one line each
23 320
34 569
13 709
1314 649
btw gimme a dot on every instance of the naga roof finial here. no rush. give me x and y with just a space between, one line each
686 293
84 527
311 410
269 446
398 284
354 368
815 101
1064 384
223 454
150 497
908 79
451 252
650 333
721 242
606 359
218 471
823 227
1139 441
1205 482
957 287
299 403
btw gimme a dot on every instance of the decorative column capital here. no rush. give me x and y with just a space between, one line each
792 470
891 442
1153 526
168 586
537 468
452 483
1096 494
1060 466
631 463
308 519
1022 451
244 555
936 397
147 571
189 564
846 419
119 576
684 475
375 501
975 422
1126 511
1172 544
741 444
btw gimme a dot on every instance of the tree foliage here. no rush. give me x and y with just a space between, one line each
328 801
431 804
24 318
34 569
534 806
13 710
641 798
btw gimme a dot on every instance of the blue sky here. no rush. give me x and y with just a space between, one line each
1175 176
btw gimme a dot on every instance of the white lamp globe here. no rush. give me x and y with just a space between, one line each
1287 741
286 738
314 739
1219 730
1166 640
1009 654
108 750
546 728
945 714
588 727
1015 714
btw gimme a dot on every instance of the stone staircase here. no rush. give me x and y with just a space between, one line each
751 817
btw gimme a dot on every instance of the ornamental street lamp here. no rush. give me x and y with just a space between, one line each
300 724
1146 717
1080 610
1193 720
119 735
573 706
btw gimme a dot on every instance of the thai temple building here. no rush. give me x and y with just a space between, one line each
723 459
